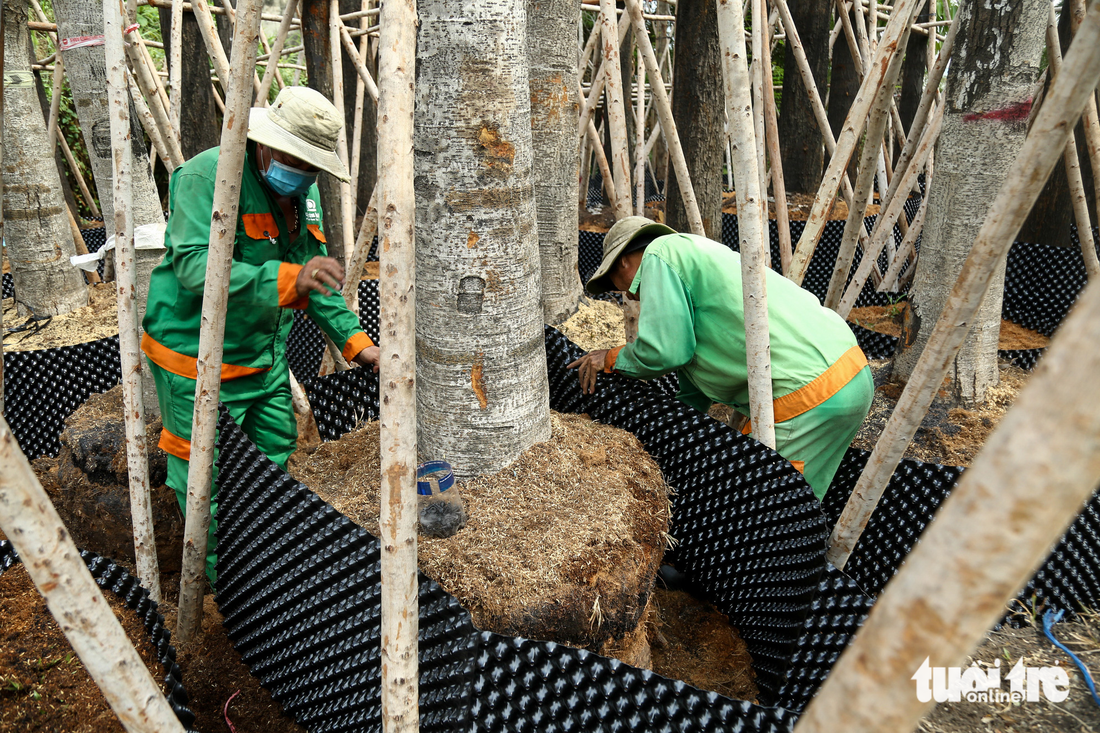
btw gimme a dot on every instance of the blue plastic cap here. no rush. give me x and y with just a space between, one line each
424 488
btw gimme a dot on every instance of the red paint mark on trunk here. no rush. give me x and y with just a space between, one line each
1014 113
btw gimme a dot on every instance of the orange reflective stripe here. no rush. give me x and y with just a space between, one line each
184 365
315 230
610 359
799 466
288 287
174 445
260 226
831 381
355 344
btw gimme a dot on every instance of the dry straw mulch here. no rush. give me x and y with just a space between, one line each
97 320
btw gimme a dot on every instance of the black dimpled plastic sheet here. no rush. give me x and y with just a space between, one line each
305 345
299 586
7 289
1042 283
113 579
42 388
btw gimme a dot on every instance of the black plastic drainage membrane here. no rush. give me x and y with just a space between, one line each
114 579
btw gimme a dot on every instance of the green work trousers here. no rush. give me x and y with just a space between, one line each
260 403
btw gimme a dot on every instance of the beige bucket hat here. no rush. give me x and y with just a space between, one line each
303 123
615 242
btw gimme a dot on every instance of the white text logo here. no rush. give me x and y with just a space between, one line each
974 684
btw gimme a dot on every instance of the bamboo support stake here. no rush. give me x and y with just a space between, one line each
397 376
223 229
137 454
30 521
55 100
905 249
300 402
75 170
232 15
991 534
357 128
639 141
175 67
884 225
1073 163
149 123
589 46
347 202
148 83
276 52
756 71
849 136
209 32
779 186
750 224
1090 119
360 66
865 180
1046 141
601 161
358 260
616 111
592 100
668 124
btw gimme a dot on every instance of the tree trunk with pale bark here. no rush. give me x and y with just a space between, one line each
36 223
987 98
482 393
200 120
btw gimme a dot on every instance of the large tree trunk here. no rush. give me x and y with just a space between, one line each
200 120
551 54
1051 219
318 53
482 393
58 156
697 107
989 85
36 224
801 146
843 87
86 67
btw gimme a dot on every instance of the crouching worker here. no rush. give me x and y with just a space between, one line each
692 322
279 264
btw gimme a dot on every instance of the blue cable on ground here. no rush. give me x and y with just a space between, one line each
1052 617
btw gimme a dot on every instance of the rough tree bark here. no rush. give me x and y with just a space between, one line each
801 147
551 55
843 87
697 107
987 98
482 394
36 225
87 70
912 77
200 120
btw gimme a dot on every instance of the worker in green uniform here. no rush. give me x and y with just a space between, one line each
279 264
692 322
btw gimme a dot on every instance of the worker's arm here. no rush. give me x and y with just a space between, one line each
666 325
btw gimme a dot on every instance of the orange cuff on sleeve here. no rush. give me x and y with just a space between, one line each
355 344
288 292
609 360
174 445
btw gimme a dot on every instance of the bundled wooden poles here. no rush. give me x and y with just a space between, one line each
1044 144
397 374
223 229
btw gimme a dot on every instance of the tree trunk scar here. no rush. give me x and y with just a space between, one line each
477 380
472 239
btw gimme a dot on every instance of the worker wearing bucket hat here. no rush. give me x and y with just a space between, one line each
692 322
280 264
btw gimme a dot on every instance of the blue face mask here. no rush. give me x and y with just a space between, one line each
287 181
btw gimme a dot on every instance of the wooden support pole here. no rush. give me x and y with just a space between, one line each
347 201
598 80
28 518
1073 163
209 32
81 246
884 225
149 123
756 71
604 166
668 124
55 100
639 141
360 66
616 111
150 87
397 374
779 186
751 229
175 67
223 230
276 51
300 401
991 534
80 182
137 453
1046 141
358 260
357 115
849 135
865 179
1090 119
905 249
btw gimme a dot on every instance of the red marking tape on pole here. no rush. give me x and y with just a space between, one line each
130 29
80 41
1015 113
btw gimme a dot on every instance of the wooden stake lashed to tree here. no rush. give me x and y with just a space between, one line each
668 124
397 374
750 223
991 534
904 11
1072 163
276 52
223 230
28 518
616 112
137 455
1045 142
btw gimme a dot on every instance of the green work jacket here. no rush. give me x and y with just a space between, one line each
692 321
262 292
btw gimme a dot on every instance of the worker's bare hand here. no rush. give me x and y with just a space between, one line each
368 357
589 366
322 274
